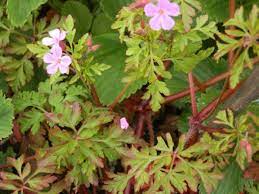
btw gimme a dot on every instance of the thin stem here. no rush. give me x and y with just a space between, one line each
150 129
208 110
95 96
118 98
140 125
128 188
192 92
186 92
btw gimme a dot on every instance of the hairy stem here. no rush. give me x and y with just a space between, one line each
192 92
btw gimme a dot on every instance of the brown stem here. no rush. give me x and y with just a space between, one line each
16 132
128 188
117 99
140 125
150 129
192 92
207 84
95 96
208 110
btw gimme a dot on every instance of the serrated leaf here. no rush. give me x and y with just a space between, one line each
18 11
19 72
31 120
38 50
6 117
233 181
4 38
188 11
28 99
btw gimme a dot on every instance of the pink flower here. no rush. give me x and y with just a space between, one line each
55 37
57 61
124 123
161 13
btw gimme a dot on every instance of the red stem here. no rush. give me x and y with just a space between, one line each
95 96
128 188
208 110
140 125
192 92
150 129
186 92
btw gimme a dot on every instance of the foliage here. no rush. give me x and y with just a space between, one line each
6 117
168 169
18 11
242 40
27 179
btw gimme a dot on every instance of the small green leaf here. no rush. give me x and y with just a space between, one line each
6 117
31 120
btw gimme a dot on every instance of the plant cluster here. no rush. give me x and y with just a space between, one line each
144 96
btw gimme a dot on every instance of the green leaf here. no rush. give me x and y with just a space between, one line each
38 50
155 92
238 68
187 63
18 11
19 72
6 117
28 99
188 11
109 84
4 38
31 120
216 9
226 118
81 15
112 7
3 83
101 25
233 181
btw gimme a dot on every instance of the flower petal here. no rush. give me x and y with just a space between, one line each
66 60
124 123
47 41
62 35
55 33
155 22
163 4
151 10
173 9
56 51
167 22
63 68
49 58
52 69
